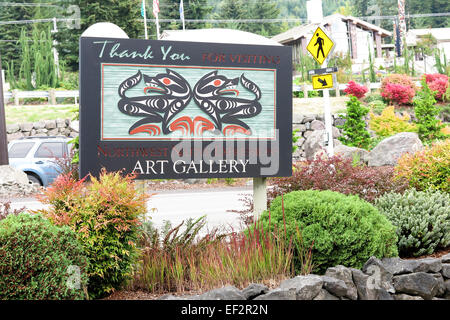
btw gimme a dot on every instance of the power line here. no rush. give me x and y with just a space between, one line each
25 4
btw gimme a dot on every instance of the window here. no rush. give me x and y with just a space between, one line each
20 150
50 150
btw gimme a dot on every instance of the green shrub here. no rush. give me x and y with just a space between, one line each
105 216
428 168
38 260
344 230
422 219
354 132
428 125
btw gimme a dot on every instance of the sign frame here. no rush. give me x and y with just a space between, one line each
245 61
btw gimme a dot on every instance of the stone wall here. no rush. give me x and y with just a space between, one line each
387 279
311 133
59 127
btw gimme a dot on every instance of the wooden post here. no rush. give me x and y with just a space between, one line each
52 97
15 95
3 140
259 196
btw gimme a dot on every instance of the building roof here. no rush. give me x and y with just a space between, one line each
441 34
217 35
305 30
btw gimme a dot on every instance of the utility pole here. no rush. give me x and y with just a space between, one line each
3 140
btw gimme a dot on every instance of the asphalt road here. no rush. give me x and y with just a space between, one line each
179 205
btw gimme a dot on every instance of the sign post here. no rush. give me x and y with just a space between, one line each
3 140
320 47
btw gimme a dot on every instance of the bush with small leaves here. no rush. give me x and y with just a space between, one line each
389 124
40 261
422 219
354 132
398 88
343 230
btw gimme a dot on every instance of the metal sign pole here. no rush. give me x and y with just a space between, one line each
328 118
3 140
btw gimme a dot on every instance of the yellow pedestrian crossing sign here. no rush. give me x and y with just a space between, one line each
323 81
320 45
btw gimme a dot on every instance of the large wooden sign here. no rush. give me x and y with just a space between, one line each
171 109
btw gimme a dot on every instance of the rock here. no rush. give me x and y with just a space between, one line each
447 285
441 285
297 118
309 118
306 287
278 294
75 126
398 266
403 296
366 289
254 290
53 132
12 128
380 277
336 132
192 181
50 124
39 125
224 293
325 295
314 143
388 151
446 258
26 127
334 286
428 265
317 125
420 283
344 274
10 175
60 123
307 134
446 270
351 152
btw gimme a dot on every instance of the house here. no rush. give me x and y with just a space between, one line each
351 35
442 35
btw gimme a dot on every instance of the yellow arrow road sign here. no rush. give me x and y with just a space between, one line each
323 81
320 45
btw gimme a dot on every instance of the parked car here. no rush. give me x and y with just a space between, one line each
36 156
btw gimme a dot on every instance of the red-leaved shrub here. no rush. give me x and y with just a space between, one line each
437 82
398 89
341 175
355 89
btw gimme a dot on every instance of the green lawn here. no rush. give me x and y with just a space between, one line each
23 114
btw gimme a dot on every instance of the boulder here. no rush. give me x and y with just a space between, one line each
26 127
10 175
254 290
446 270
325 295
441 284
366 289
278 294
351 152
420 283
50 124
446 258
428 265
344 274
297 118
334 286
306 287
314 143
39 125
169 297
224 293
380 277
75 126
12 128
388 151
398 266
317 125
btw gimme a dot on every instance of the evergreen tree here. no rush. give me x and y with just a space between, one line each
261 9
124 13
193 9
